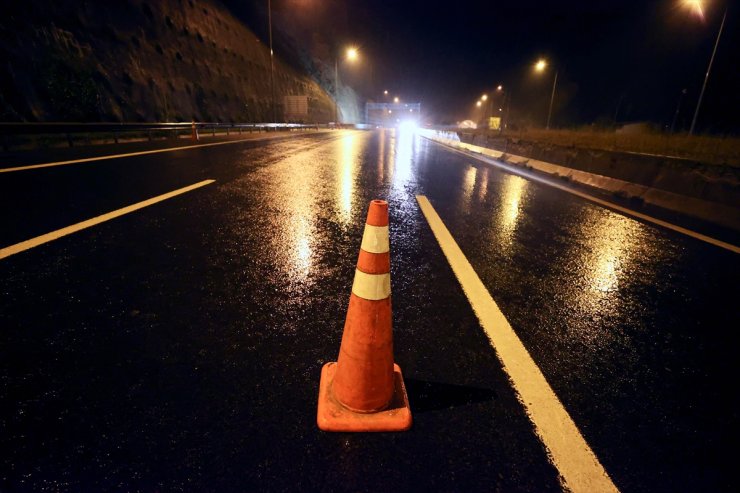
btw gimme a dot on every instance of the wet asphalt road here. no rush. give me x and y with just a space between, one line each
178 348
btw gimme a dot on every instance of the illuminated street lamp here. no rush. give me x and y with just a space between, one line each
395 100
484 97
540 67
698 7
351 55
478 103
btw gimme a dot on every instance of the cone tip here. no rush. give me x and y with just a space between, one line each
377 213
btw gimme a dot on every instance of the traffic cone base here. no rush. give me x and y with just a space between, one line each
333 416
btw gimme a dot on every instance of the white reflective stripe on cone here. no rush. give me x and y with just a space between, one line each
375 239
371 287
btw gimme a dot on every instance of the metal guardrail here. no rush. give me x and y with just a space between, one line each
13 134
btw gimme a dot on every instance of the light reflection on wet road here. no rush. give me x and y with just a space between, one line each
236 296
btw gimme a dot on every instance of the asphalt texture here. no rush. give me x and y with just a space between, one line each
179 347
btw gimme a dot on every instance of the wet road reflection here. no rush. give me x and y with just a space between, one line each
210 317
402 152
612 241
513 200
623 318
349 164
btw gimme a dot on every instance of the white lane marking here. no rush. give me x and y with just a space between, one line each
40 240
371 287
131 154
604 203
579 467
375 239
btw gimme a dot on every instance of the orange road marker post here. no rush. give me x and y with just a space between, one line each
364 390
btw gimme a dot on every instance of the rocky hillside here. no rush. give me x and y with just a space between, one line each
140 60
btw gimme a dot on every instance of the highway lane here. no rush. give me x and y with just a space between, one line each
179 347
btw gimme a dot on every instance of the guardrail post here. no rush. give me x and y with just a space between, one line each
213 131
149 135
115 137
227 131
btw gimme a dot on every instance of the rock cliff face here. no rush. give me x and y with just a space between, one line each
141 60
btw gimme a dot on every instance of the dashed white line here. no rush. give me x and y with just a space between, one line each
40 240
579 467
131 154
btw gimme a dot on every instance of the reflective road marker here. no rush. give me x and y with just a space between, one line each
579 467
40 240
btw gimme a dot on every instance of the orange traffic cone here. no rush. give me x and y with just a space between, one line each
364 390
194 133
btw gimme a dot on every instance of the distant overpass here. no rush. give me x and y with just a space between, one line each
389 114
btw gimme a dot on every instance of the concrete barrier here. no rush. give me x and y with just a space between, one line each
707 192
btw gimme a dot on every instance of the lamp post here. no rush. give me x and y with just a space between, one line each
540 67
697 5
272 63
351 55
678 109
484 99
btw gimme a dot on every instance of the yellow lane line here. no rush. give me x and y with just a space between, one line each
131 154
579 467
40 240
604 203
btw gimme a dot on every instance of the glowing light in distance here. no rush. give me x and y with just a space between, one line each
478 103
352 54
407 125
500 88
697 7
385 92
484 97
540 65
395 100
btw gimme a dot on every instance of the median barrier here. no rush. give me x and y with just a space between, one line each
706 192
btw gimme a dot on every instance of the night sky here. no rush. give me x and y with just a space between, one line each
630 59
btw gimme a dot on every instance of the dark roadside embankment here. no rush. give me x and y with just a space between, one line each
697 188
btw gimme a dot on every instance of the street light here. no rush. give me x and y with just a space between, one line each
540 67
351 55
272 63
696 5
698 8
